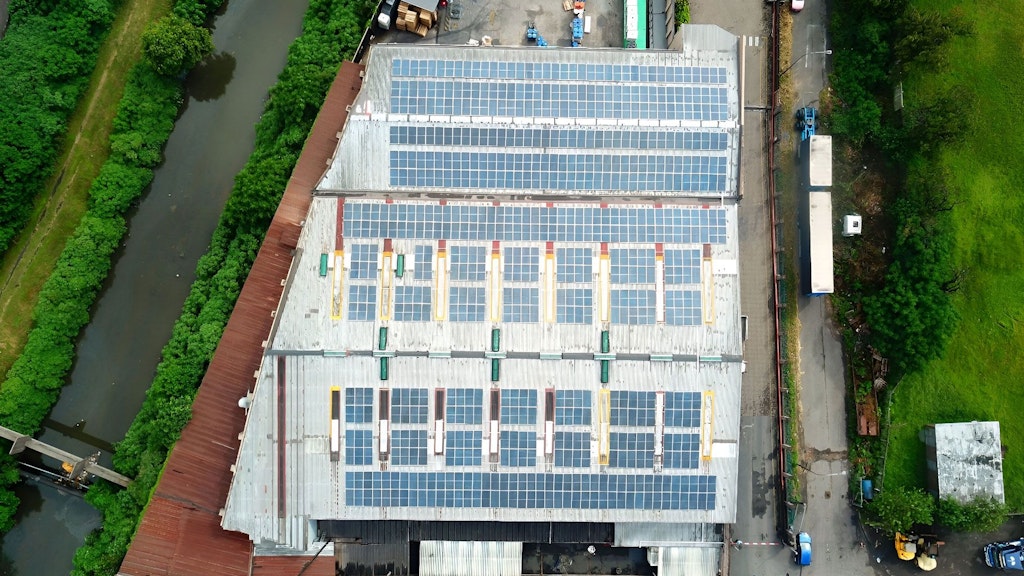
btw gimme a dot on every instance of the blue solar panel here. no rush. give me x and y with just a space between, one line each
522 264
572 407
682 409
445 168
559 71
681 450
358 447
464 406
424 262
682 307
633 307
486 222
409 405
591 139
466 304
468 263
362 303
521 305
632 408
358 405
631 450
518 406
534 490
364 261
682 266
566 100
574 265
575 305
463 448
412 304
409 447
572 449
518 448
632 266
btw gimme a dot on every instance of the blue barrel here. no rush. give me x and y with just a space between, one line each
867 487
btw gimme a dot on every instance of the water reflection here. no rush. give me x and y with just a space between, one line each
209 80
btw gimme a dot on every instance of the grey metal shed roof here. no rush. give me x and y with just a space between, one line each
969 460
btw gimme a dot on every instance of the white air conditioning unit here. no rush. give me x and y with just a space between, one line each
851 225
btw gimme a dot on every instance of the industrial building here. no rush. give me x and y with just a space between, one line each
511 318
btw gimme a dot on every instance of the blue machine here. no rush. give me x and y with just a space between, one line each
806 122
533 34
577 31
802 551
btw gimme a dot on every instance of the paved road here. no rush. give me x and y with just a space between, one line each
756 494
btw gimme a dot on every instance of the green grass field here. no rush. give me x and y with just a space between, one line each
982 374
56 212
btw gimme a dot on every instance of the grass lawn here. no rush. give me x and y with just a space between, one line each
982 374
29 261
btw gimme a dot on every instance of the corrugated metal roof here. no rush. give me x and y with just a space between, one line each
686 561
288 474
969 460
643 534
180 532
471 558
293 566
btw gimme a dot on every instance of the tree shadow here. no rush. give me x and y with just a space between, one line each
210 78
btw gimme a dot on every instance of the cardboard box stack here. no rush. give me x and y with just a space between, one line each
416 20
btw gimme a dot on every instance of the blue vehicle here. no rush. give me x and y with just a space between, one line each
806 122
802 550
1005 555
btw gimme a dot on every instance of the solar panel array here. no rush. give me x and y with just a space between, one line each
464 406
552 137
681 156
566 100
358 405
557 171
530 490
402 67
534 223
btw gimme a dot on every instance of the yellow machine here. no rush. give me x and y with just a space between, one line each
922 548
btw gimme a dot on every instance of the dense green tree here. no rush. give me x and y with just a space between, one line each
173 45
900 509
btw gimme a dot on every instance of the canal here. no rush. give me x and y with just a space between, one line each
168 232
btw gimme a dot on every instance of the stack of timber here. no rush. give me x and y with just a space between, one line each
415 20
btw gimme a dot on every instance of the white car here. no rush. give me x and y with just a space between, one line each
796 5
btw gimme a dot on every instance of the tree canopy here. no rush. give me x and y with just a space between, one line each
173 45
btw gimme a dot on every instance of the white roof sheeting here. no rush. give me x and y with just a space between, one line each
820 162
822 263
471 558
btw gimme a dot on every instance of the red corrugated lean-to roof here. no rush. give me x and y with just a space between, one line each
180 533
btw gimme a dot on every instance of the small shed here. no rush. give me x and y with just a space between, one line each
965 460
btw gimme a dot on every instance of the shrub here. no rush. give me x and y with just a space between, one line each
979 515
900 509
